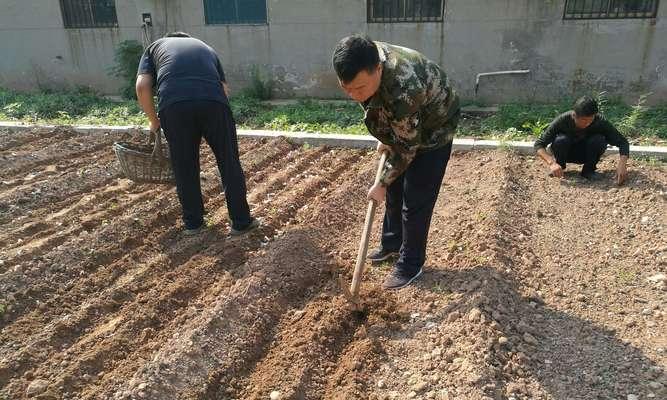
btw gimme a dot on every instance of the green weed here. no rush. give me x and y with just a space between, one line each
439 288
126 57
535 128
261 87
385 265
625 277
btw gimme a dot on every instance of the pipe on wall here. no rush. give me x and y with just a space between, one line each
512 72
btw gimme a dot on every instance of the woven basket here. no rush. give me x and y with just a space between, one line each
145 163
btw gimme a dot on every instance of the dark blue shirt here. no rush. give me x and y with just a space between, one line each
183 69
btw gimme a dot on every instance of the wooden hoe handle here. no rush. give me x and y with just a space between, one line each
363 244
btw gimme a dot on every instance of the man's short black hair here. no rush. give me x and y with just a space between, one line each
586 106
354 54
177 34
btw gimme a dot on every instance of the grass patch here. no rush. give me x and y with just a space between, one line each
304 116
85 107
514 121
77 107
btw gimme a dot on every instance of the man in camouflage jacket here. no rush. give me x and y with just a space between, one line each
412 110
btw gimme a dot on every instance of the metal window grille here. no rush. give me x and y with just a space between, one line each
235 11
89 13
610 9
405 10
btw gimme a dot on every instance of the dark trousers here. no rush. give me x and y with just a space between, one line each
409 207
587 151
184 124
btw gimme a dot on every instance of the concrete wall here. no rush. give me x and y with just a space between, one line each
39 53
626 57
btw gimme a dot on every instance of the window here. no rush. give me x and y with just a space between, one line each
601 9
235 11
89 13
405 10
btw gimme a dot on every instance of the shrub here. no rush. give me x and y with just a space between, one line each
127 57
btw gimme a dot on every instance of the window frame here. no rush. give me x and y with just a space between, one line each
68 21
371 19
592 15
235 23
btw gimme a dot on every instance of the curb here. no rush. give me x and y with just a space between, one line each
339 140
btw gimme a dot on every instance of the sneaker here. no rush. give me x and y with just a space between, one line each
380 255
398 279
254 224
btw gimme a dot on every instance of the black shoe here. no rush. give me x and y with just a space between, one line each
380 255
590 175
254 224
398 279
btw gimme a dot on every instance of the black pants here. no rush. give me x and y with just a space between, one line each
586 151
409 207
184 124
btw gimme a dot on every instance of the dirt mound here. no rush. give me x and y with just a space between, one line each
534 287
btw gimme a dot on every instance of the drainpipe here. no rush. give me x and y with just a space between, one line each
515 72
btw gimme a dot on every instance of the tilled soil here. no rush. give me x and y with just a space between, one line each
534 287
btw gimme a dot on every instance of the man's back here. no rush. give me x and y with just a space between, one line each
184 69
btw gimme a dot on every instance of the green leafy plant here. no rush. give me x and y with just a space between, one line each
260 87
127 56
629 124
603 101
535 128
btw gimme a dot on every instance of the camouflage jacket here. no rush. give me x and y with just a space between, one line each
414 108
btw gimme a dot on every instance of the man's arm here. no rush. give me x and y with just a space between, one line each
547 137
615 138
221 73
554 167
399 155
144 88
